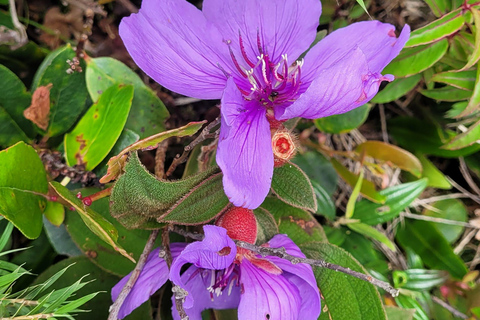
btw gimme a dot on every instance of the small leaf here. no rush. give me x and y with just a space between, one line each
39 110
202 204
68 95
391 154
469 137
397 198
152 197
344 297
299 224
459 79
412 61
450 209
22 181
474 102
292 186
439 7
148 112
368 188
116 164
419 279
436 178
407 302
94 221
475 56
373 233
266 225
326 207
343 123
14 99
423 238
354 196
55 213
98 130
447 93
438 29
397 89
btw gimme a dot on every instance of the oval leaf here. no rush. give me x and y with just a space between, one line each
292 186
98 130
397 89
343 123
459 79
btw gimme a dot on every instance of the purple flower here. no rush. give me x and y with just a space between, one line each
244 52
224 277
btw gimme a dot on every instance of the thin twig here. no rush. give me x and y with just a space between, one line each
439 220
160 156
466 240
203 136
466 175
454 311
280 252
129 5
383 123
21 35
115 308
463 190
31 317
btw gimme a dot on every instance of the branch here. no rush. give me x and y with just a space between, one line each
280 252
454 311
202 137
115 308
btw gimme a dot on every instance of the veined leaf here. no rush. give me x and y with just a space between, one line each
459 79
469 137
397 89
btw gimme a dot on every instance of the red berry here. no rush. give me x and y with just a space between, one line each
87 201
240 223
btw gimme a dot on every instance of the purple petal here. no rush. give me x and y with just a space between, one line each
377 41
244 149
216 251
197 283
153 277
172 42
284 26
342 87
301 275
267 296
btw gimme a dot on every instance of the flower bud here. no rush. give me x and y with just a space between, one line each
283 146
240 223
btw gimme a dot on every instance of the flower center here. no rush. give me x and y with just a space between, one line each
270 83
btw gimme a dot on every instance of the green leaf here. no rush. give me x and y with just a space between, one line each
326 207
396 313
344 297
475 56
459 79
299 224
202 204
104 281
148 112
60 240
391 154
14 99
407 302
293 187
397 198
436 178
343 123
55 213
373 233
22 180
354 196
397 89
450 209
68 96
465 139
266 225
98 130
368 188
447 93
474 102
116 164
438 29
412 61
318 169
423 238
133 241
426 137
93 220
439 7
152 197
419 279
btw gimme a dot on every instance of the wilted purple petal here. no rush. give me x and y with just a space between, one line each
301 275
244 149
267 296
283 26
342 87
216 251
173 43
377 41
153 276
197 281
